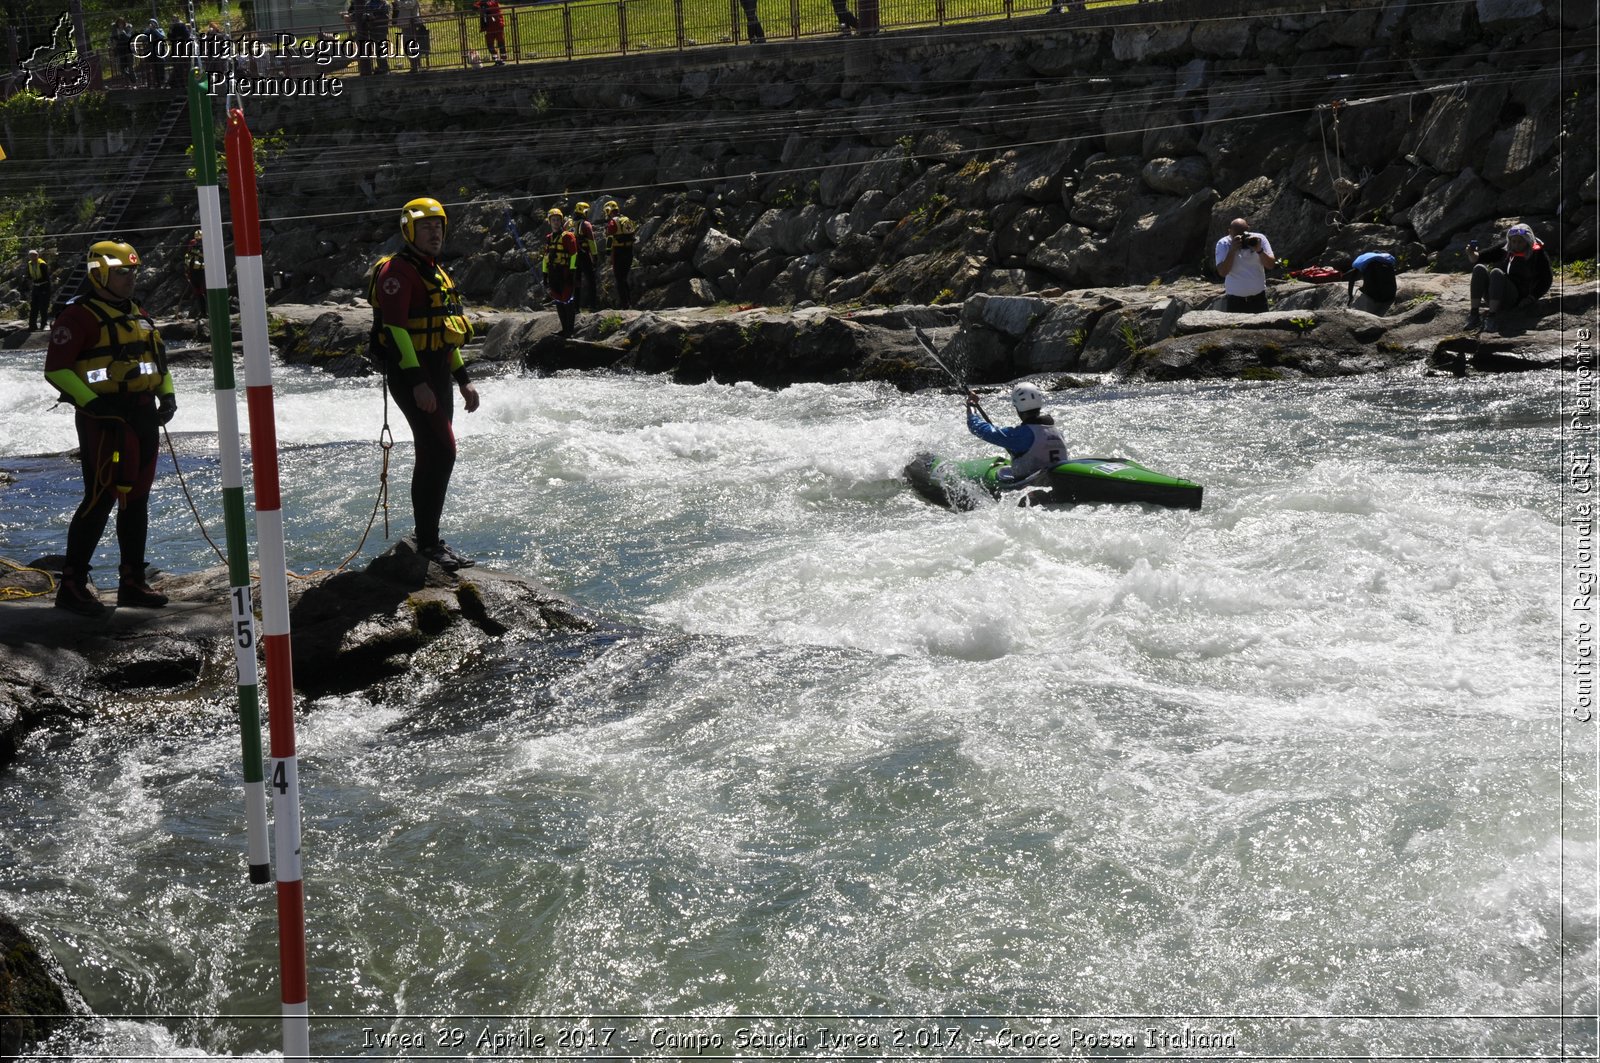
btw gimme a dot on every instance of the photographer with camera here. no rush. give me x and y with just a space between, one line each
1243 258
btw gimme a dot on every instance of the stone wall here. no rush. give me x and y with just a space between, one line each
1049 152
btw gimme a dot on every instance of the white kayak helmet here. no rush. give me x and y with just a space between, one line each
1027 398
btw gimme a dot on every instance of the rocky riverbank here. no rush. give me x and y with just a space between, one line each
1159 332
1155 332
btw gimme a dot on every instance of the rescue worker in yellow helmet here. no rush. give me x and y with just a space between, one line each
559 267
588 258
620 235
107 359
419 326
194 272
38 290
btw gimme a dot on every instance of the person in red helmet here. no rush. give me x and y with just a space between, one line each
419 327
107 359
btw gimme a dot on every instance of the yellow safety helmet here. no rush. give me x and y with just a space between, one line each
415 211
107 255
611 206
583 208
554 212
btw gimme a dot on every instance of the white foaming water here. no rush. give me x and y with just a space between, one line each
1296 754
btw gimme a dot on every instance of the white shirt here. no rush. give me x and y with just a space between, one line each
1248 276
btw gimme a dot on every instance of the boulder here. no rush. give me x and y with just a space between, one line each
1150 42
1104 191
1449 207
1011 316
33 1001
717 254
1177 177
1056 343
1458 125
1514 151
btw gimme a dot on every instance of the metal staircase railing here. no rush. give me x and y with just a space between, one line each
112 209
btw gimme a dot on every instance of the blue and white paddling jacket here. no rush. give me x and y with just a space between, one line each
1034 446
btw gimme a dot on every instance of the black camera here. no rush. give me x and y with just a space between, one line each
1252 242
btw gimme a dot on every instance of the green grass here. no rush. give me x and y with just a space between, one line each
1582 271
583 28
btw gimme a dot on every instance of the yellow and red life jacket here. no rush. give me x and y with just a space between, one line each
560 251
442 323
621 231
127 357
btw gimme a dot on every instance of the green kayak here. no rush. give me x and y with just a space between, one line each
1081 481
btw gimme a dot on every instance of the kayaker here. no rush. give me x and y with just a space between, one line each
1034 445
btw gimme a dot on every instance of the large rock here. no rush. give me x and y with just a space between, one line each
1458 125
1451 207
717 254
32 999
1177 177
349 630
1010 315
1057 342
1515 150
1104 191
1297 227
1142 44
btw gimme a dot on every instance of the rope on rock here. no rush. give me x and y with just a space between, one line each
385 443
17 594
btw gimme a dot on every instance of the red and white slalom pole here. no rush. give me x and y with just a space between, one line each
284 778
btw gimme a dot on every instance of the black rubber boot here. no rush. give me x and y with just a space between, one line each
134 592
74 594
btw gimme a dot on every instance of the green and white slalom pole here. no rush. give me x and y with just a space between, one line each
243 624
274 585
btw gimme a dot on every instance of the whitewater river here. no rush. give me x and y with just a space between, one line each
847 775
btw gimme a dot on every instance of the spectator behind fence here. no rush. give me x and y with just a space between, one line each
414 34
493 25
122 48
145 45
181 37
847 20
378 34
753 22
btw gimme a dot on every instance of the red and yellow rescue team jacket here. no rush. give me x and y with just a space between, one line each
105 348
412 292
620 232
560 256
583 232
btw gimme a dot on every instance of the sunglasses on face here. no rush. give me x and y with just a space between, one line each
123 271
